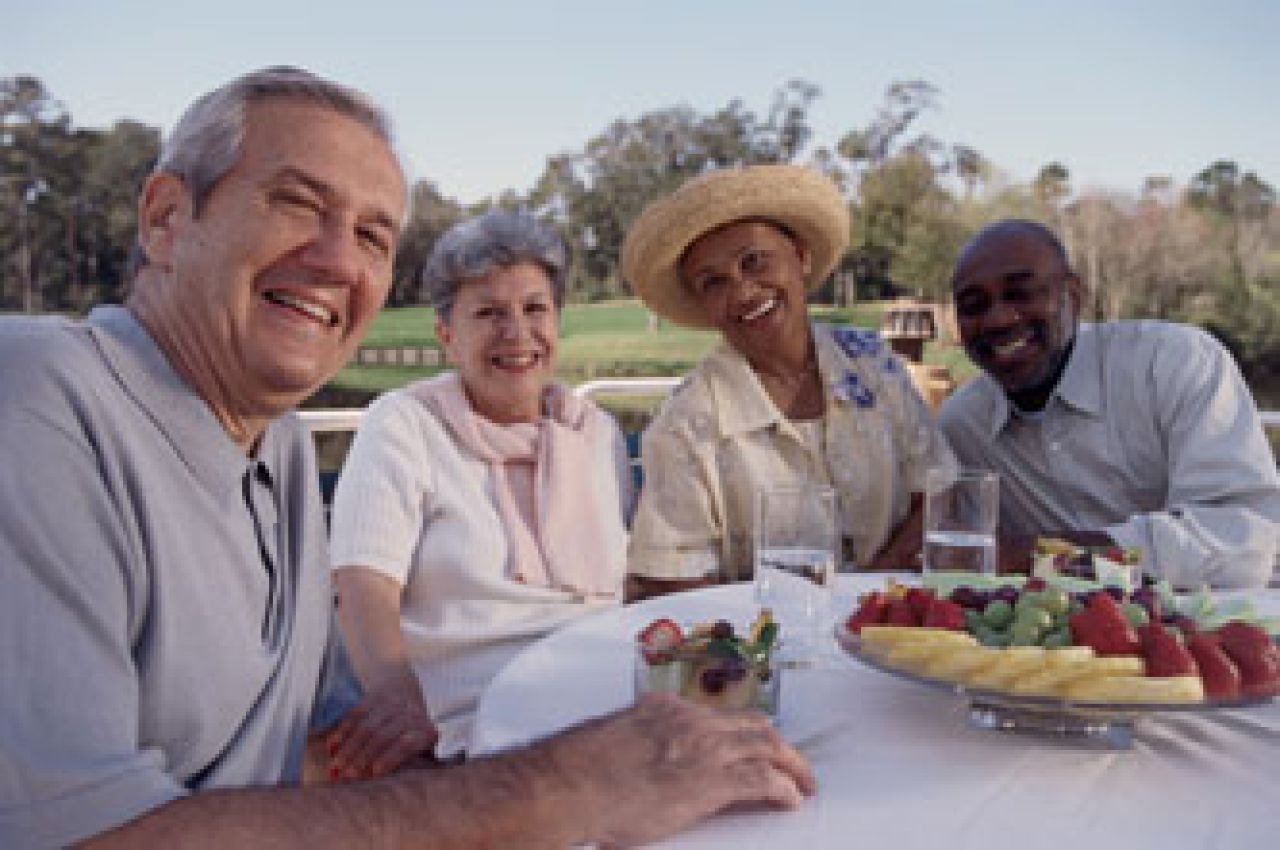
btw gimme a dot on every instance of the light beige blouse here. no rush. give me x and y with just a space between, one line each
719 439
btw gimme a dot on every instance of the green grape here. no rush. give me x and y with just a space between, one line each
1033 619
998 614
1057 638
992 638
1029 599
1023 633
1135 614
1056 601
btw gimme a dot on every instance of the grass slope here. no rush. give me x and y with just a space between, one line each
607 339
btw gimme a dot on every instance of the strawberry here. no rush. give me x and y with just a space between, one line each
919 599
872 609
1239 633
1163 654
944 614
1102 626
1101 600
1034 584
1219 673
900 614
658 639
1257 658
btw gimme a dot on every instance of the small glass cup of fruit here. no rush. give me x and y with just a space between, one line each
711 663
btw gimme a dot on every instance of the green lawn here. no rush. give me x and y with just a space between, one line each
607 339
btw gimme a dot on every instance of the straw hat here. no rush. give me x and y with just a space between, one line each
800 199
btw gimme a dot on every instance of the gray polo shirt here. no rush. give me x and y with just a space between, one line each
1151 436
164 600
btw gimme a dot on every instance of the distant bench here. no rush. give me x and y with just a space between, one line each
396 355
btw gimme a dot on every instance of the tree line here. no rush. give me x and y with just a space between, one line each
1205 251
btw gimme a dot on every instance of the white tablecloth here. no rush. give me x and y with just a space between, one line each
899 766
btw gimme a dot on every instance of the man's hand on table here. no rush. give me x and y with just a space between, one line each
667 763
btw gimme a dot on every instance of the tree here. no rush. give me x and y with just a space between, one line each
1239 202
906 226
430 216
1052 184
971 167
1239 208
904 103
69 199
32 125
597 192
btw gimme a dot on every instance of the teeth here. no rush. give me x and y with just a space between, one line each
516 360
761 310
1013 346
315 311
1009 348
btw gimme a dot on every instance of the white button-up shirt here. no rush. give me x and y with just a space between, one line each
720 439
1151 436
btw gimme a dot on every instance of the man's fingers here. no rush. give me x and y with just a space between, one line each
791 762
760 781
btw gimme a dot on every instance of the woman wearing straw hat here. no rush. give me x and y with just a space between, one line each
782 401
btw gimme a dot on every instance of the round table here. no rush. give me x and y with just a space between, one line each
898 764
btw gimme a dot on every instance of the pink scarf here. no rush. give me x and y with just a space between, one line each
566 547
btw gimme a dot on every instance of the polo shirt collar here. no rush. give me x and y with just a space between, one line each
192 430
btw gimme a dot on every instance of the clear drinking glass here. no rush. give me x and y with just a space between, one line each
960 514
796 546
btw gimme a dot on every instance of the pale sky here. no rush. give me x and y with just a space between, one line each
484 91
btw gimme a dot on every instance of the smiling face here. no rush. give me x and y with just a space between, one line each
749 277
501 334
264 295
1016 306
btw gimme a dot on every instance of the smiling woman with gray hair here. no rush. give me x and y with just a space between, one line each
477 510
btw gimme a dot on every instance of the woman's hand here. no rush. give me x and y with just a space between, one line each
388 728
902 552
391 725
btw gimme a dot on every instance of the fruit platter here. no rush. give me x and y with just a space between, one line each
711 663
1067 654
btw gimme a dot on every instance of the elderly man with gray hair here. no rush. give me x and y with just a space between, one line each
165 614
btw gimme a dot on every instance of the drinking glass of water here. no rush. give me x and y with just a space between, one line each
796 541
960 513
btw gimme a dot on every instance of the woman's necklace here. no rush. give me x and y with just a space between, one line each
797 396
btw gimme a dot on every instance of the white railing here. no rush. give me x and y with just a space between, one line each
627 386
348 419
323 421
332 420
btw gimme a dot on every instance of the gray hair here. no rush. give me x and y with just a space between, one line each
205 143
497 239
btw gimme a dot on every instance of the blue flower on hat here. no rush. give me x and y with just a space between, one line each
850 388
858 342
